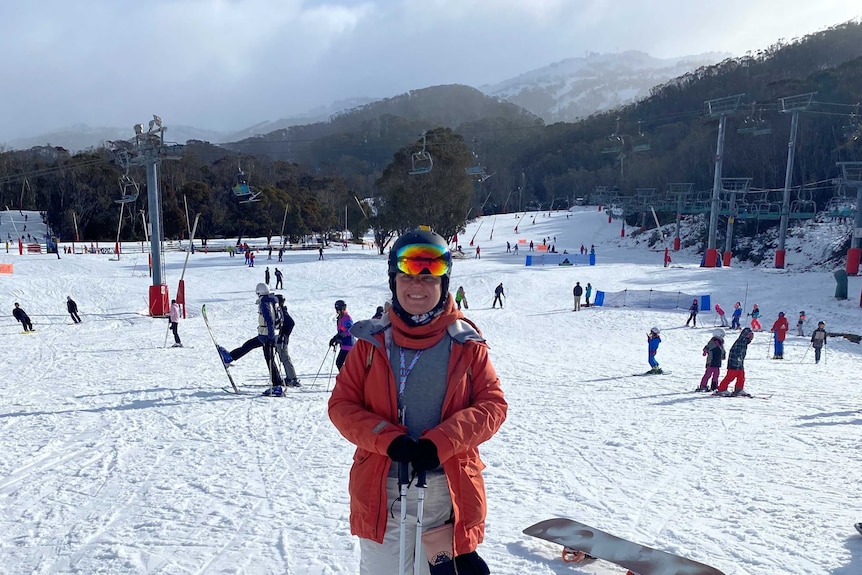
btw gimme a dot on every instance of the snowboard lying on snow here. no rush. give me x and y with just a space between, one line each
582 542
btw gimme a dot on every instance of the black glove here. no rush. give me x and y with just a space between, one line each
402 449
425 456
471 564
334 341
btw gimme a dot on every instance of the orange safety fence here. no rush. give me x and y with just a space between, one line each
5 268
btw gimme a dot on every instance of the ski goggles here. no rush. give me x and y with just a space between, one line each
427 259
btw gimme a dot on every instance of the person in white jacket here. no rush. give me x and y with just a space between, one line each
175 315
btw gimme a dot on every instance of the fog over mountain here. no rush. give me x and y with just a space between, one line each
560 92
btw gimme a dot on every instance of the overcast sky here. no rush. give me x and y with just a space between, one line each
227 64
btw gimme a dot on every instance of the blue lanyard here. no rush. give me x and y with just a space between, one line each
402 381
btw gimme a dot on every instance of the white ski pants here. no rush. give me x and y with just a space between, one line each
382 558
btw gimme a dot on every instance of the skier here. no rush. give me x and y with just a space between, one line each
736 365
449 401
266 276
72 308
461 297
498 296
279 284
721 315
715 354
779 329
343 338
692 313
653 341
755 321
737 314
320 253
587 293
287 325
818 340
174 315
799 323
577 291
22 316
268 325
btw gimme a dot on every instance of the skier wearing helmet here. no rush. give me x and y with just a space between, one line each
447 401
736 365
715 354
342 338
818 340
692 313
779 330
800 323
653 341
268 327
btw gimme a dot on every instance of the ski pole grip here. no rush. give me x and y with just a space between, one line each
403 474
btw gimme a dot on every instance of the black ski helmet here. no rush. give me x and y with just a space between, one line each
340 305
421 235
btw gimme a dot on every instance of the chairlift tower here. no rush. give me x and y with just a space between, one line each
148 148
792 105
852 177
681 191
721 108
731 187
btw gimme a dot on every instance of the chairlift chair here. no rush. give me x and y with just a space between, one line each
803 209
128 190
242 190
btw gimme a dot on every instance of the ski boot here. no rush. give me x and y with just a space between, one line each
274 391
740 393
225 356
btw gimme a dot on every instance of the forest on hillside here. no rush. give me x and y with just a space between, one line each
307 177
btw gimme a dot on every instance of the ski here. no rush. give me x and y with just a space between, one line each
663 372
234 389
748 396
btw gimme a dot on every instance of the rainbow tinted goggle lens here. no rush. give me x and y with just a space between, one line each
427 259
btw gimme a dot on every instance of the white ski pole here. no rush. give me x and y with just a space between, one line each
402 535
420 510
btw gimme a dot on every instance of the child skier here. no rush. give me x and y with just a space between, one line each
653 341
692 313
715 354
779 330
736 365
721 315
799 323
737 314
755 322
818 340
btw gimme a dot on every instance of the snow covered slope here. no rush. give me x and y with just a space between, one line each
123 456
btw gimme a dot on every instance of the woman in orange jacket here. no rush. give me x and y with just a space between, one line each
418 389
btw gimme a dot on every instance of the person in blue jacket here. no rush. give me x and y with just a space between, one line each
653 341
268 328
737 315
